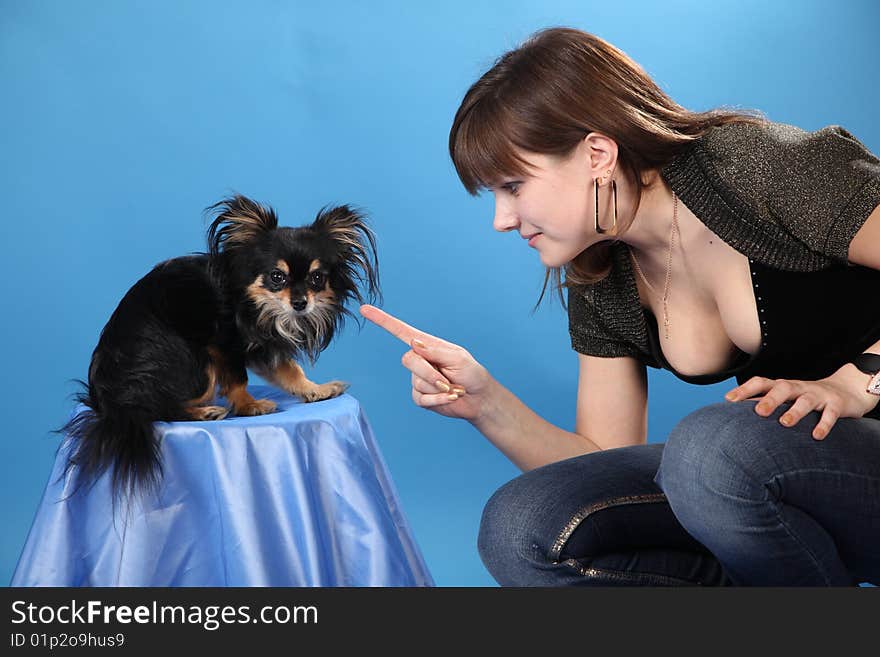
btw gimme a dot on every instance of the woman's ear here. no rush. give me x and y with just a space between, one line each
602 153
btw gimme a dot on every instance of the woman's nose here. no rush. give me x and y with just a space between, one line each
505 218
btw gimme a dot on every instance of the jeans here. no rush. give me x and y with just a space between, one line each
732 498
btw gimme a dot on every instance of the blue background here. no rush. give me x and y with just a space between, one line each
121 121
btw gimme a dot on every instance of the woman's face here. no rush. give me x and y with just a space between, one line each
552 205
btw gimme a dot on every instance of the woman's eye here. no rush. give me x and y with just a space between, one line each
277 277
316 279
512 187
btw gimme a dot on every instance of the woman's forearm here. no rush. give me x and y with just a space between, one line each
524 437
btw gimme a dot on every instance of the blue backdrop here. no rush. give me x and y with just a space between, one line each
122 120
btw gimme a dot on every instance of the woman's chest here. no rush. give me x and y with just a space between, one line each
712 309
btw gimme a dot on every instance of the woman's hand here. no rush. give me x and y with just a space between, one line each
445 377
842 394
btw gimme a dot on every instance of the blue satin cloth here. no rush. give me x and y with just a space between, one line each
300 497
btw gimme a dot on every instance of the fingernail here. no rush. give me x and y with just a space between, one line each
453 397
443 386
786 420
458 390
418 343
730 396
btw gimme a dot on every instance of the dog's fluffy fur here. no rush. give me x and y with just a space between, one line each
262 297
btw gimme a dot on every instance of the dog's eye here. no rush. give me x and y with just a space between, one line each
316 279
278 277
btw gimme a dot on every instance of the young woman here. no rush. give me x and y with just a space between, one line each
711 244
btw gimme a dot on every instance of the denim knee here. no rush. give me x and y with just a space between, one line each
530 521
713 467
502 543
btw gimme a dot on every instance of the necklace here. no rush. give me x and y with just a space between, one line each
672 231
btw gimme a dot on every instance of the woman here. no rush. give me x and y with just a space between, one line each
757 245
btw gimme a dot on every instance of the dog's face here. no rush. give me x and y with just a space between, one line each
292 271
287 285
293 283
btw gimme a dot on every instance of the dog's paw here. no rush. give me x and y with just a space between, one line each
324 391
255 407
216 412
208 413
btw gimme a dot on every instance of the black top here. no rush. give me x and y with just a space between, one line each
789 199
811 324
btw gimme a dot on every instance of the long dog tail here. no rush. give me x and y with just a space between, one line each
121 440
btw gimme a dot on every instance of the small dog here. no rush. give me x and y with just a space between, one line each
262 297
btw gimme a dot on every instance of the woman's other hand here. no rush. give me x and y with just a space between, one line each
842 394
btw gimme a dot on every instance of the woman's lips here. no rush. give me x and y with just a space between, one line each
533 238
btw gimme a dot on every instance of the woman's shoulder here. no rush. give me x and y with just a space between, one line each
788 197
746 141
606 317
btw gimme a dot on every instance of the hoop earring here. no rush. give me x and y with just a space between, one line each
599 229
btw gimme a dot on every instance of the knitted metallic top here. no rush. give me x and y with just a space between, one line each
790 200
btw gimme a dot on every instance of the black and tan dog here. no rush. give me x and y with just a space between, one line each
262 298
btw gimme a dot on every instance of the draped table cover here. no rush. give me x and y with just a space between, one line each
300 497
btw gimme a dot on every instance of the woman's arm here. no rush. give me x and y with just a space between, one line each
612 404
611 412
864 249
448 380
523 436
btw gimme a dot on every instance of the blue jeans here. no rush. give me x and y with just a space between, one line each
732 498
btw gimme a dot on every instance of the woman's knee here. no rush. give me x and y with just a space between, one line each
715 459
527 521
505 542
498 522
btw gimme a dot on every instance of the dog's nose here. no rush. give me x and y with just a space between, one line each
299 304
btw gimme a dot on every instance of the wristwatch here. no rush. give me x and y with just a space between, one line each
870 364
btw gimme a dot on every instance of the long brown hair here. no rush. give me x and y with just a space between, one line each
546 95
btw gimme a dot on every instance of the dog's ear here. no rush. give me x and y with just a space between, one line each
239 220
355 243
